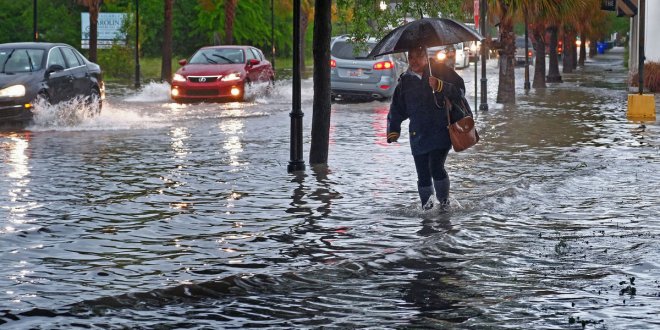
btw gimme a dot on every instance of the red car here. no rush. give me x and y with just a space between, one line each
220 73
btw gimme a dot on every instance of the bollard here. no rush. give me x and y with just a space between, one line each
641 106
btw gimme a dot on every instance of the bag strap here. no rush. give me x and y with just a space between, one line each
447 107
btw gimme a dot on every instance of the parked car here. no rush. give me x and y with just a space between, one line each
444 54
474 50
353 76
220 73
461 56
520 51
54 72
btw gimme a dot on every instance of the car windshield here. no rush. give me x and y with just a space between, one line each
349 51
17 60
218 56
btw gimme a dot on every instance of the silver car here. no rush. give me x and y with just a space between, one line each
353 76
520 51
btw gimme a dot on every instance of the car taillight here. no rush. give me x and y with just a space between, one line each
386 65
333 63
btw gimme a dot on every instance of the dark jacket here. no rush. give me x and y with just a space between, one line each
413 99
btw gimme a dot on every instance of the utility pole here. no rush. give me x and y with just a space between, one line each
484 81
526 85
137 44
296 162
35 32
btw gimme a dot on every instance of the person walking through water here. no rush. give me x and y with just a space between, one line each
420 98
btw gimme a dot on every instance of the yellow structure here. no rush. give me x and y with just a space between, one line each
641 106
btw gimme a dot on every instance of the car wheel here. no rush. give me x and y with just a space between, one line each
94 102
42 98
271 86
247 87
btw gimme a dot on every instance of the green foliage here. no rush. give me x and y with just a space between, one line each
117 62
368 20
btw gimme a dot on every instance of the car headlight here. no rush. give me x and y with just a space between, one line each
179 78
13 91
232 77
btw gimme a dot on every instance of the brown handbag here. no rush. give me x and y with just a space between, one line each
462 132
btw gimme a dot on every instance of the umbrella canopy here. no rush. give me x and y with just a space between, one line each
425 32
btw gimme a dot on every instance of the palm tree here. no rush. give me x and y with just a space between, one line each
166 66
94 7
505 10
230 15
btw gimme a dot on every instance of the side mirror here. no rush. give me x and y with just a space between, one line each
183 62
252 62
54 68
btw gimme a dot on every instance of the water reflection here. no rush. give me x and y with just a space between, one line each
233 144
178 136
16 157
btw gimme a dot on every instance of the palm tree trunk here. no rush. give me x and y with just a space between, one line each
166 66
318 152
569 45
94 9
553 70
583 50
230 14
506 92
539 65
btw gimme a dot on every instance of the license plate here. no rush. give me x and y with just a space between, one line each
355 73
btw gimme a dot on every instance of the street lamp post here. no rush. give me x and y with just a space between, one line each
35 32
484 81
137 44
296 162
526 85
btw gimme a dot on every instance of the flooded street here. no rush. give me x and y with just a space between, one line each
167 216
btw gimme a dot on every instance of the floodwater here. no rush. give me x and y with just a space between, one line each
158 215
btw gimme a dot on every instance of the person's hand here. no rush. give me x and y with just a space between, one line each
392 137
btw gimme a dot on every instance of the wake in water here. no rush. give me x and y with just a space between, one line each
78 114
260 93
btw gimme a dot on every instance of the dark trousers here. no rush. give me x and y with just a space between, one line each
431 166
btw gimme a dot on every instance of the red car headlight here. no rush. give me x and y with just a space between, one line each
231 77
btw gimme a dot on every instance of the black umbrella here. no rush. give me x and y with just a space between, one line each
425 32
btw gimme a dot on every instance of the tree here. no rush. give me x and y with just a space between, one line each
505 10
230 15
318 152
94 7
166 64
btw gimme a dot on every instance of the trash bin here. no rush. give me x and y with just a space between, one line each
600 47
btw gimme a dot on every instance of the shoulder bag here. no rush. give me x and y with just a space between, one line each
462 132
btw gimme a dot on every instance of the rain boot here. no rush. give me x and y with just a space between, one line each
442 191
425 194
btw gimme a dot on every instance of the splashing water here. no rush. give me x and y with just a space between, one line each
65 114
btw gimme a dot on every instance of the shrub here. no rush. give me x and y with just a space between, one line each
117 63
651 77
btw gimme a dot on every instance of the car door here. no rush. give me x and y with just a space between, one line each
59 82
77 70
252 70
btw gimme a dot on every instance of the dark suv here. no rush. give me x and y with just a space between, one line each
54 72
